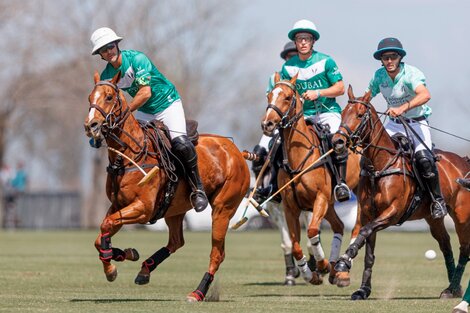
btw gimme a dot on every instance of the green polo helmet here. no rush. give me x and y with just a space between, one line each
304 26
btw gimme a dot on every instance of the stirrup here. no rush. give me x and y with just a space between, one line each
438 210
199 200
342 192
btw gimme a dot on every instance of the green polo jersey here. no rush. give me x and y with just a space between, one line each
317 72
137 70
396 92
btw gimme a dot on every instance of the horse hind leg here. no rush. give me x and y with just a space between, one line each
455 289
175 241
366 286
221 219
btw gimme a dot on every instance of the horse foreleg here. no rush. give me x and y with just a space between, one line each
175 241
440 234
110 226
344 264
323 267
293 224
338 227
369 258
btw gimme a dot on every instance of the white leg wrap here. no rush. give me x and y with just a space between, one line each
304 269
317 248
462 306
335 247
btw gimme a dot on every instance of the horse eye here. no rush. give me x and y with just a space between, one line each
109 98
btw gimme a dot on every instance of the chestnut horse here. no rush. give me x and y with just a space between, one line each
313 190
223 170
386 190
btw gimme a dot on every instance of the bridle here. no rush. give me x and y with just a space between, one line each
287 120
355 138
115 119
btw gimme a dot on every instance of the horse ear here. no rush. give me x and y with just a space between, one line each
116 78
294 79
96 77
367 96
277 77
350 93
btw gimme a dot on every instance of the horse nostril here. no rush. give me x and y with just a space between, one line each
94 125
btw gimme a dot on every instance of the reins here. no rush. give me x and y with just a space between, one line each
289 122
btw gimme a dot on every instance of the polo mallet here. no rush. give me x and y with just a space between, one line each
256 204
262 212
147 176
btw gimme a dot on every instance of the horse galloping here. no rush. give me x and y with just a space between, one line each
313 190
224 173
387 195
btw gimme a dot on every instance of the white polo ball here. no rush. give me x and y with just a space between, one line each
430 255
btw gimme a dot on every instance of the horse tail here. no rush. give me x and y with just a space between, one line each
250 156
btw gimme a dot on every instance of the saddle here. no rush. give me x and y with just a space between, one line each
323 132
159 135
163 133
405 149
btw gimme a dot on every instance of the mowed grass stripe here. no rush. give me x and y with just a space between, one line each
59 271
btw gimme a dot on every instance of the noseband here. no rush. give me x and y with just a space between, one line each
286 120
354 138
116 117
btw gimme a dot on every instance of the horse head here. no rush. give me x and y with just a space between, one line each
282 110
355 122
108 108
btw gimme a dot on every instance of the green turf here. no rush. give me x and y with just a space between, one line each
60 272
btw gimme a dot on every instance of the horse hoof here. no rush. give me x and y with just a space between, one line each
343 279
132 254
332 276
316 279
195 296
289 282
323 267
451 294
112 274
361 294
462 307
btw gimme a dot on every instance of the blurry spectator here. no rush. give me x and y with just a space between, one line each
20 179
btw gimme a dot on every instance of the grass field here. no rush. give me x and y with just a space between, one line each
60 272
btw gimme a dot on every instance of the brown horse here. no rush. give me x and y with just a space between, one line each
313 190
387 189
223 169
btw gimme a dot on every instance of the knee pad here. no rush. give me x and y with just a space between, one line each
184 148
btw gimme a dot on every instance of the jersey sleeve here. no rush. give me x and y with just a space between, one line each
373 86
332 71
416 78
142 68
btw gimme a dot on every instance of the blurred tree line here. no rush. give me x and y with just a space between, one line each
47 70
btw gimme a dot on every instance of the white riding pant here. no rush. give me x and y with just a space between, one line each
421 128
173 117
331 118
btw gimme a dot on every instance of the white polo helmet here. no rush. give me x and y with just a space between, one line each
101 37
304 26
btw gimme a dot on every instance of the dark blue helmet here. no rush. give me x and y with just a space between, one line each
389 44
288 47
